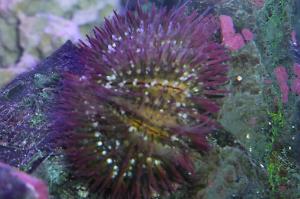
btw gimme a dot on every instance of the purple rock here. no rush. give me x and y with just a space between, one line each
23 103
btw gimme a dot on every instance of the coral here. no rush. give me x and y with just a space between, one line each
15 184
226 27
296 69
232 40
247 34
144 104
282 78
295 87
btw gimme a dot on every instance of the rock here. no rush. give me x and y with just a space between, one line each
32 30
5 76
282 80
23 106
43 33
231 173
9 51
246 90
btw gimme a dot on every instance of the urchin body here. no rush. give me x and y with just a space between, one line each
145 102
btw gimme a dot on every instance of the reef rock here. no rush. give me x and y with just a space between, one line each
23 102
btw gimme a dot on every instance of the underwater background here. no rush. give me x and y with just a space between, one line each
254 151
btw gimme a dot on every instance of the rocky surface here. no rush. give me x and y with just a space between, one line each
230 173
23 107
247 85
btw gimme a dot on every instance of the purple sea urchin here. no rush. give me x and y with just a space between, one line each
146 100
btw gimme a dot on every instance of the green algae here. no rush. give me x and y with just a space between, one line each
12 90
39 155
43 80
37 119
279 164
274 165
274 28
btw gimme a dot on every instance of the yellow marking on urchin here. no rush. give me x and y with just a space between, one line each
148 129
153 121
156 86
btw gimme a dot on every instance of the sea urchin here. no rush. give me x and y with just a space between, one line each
146 100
